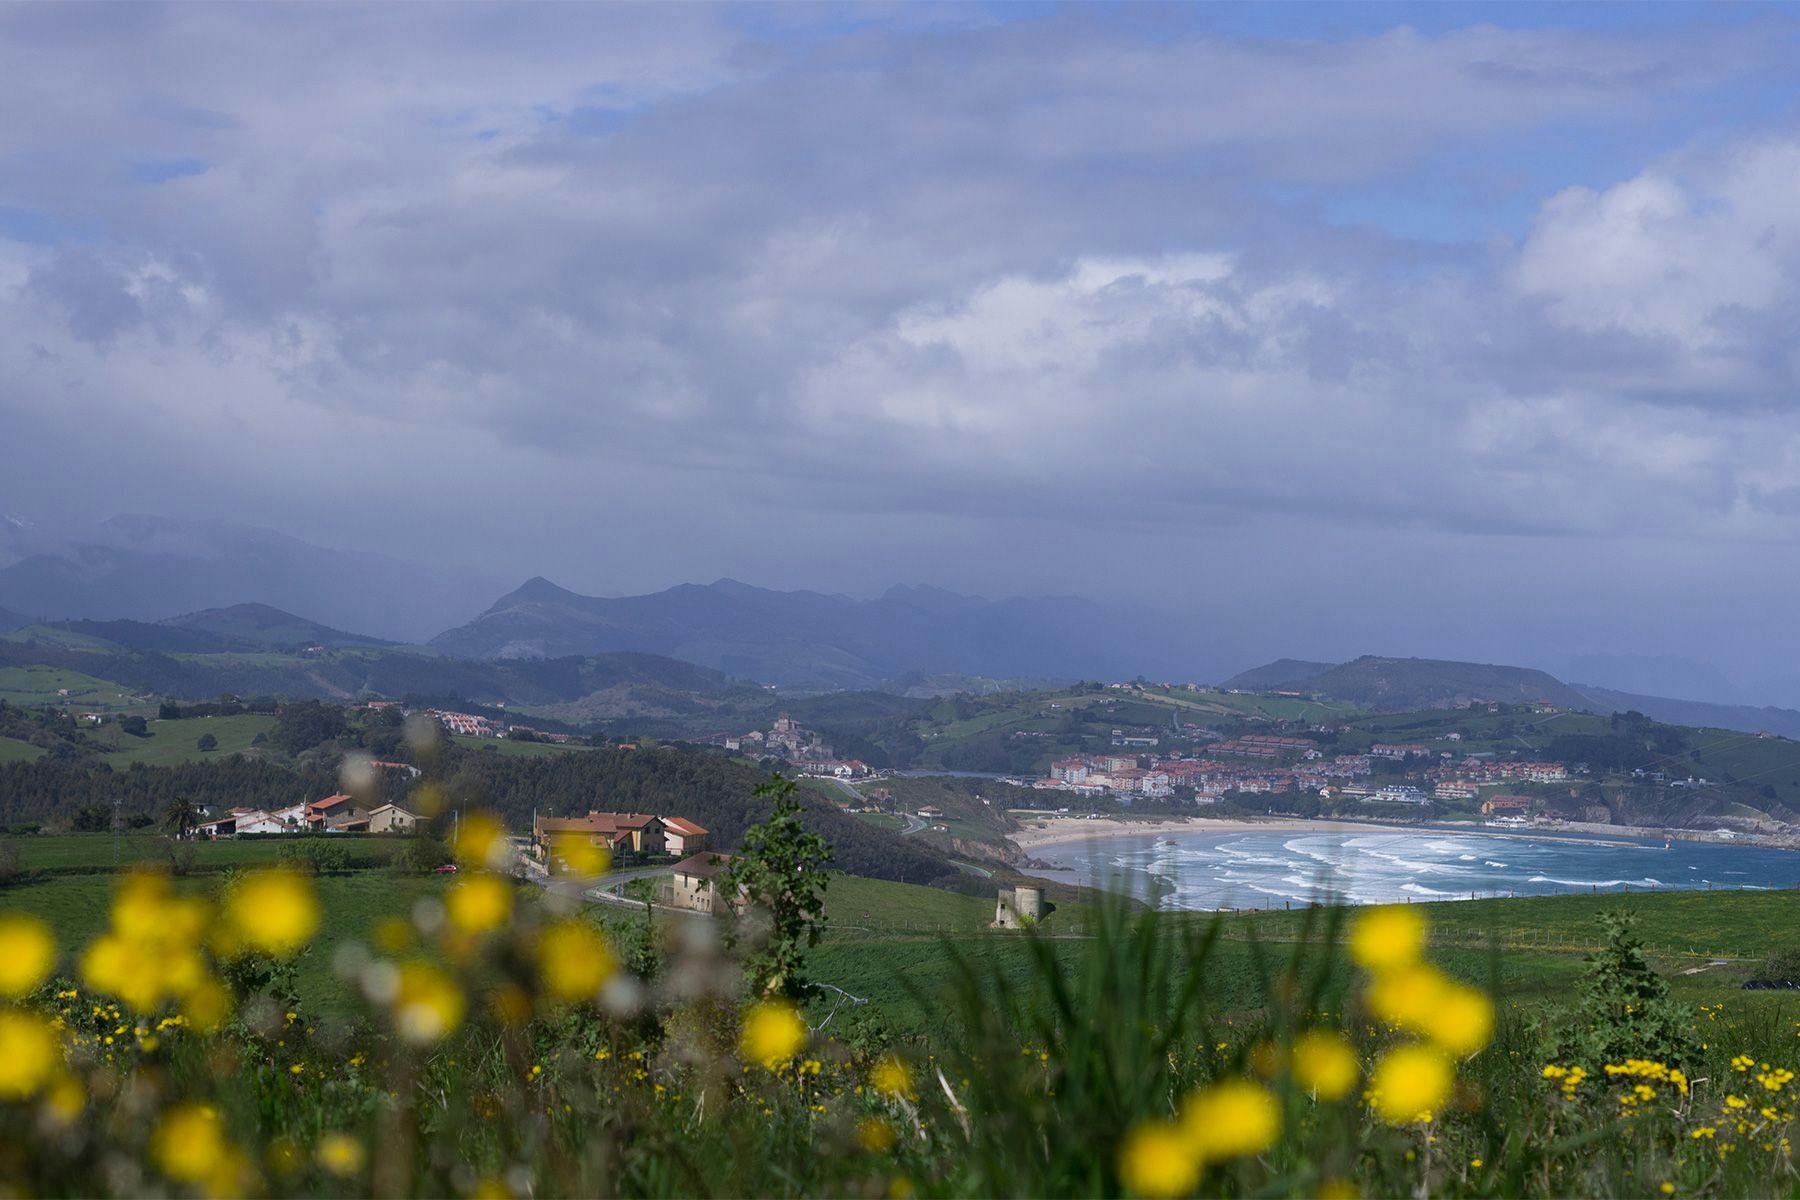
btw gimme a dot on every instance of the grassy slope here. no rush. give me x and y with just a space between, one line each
506 746
13 750
39 686
174 742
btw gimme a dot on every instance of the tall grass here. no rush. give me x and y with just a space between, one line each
1065 1078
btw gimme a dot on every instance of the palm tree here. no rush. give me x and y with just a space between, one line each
181 816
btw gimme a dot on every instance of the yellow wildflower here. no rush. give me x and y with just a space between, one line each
27 953
1158 1160
1230 1119
892 1077
1410 1083
1388 937
1324 1064
1461 1021
29 1053
580 854
189 1143
574 960
876 1135
1407 996
427 1003
773 1033
64 1099
479 903
273 910
340 1154
481 841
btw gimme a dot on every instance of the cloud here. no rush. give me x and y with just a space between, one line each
655 261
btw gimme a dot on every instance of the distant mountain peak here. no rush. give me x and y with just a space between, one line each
536 590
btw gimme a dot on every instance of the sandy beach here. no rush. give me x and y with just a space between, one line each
1056 831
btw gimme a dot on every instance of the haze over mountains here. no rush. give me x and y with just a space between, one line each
158 586
1402 684
809 639
149 568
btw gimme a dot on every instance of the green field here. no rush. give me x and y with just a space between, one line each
1529 951
76 906
44 686
508 746
173 742
13 750
101 852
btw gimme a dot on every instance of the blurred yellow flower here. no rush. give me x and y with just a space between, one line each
273 910
876 1135
574 960
479 903
64 1099
580 854
1230 1119
340 1154
27 953
1388 937
1157 1160
1461 1020
393 935
892 1077
29 1053
189 1143
1338 1189
1410 1083
428 799
207 1006
427 1003
773 1033
481 841
1407 997
1324 1064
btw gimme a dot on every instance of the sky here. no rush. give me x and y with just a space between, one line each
1451 330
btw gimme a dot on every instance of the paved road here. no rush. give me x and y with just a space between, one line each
913 825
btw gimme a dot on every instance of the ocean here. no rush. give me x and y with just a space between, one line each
1209 870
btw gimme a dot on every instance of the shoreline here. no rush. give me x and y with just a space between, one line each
1061 830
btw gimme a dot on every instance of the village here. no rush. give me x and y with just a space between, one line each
1261 764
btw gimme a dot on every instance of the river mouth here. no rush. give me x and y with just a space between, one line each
1288 868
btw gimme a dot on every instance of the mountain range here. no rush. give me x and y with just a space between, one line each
147 568
1404 684
814 640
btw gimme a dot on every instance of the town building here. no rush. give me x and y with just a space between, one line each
391 818
682 836
696 883
639 833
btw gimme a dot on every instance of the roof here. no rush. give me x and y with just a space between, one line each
595 822
704 865
329 802
393 808
683 826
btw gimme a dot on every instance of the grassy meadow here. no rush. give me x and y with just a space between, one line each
467 1036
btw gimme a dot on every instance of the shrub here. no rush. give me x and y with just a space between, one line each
1781 966
1624 1011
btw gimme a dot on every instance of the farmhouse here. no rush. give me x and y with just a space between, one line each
391 818
682 836
640 833
696 882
